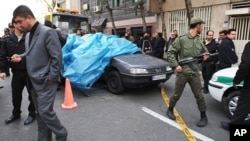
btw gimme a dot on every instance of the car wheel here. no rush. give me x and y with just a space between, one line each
230 103
115 84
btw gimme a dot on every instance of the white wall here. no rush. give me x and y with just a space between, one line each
8 7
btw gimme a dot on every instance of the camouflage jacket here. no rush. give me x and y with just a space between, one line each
185 46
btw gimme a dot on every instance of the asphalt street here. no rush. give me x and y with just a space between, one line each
137 115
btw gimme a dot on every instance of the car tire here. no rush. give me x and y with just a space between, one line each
114 82
230 103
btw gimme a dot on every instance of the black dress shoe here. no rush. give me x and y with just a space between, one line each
225 125
11 119
171 115
205 91
29 120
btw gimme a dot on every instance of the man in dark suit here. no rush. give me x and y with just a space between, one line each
44 61
158 45
208 66
15 44
227 56
171 39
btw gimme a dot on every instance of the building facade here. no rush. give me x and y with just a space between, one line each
124 16
218 15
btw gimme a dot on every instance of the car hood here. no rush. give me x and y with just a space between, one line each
228 72
225 76
140 60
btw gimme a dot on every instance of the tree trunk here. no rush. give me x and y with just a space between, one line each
51 6
141 4
111 17
190 10
164 31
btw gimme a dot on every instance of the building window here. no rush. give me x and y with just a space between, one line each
241 24
136 1
178 20
118 3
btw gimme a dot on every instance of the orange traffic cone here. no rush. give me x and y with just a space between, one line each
69 102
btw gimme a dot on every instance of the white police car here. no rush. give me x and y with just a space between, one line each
221 89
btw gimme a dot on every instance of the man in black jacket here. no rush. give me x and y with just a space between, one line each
158 45
15 44
242 74
227 55
174 35
208 66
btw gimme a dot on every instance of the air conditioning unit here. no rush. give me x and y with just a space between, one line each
97 9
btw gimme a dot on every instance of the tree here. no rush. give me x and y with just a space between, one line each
140 6
190 11
110 10
51 4
162 18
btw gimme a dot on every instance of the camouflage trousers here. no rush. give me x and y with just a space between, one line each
195 83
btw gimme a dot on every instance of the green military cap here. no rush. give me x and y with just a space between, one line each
195 20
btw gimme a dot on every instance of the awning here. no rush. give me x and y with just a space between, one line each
99 22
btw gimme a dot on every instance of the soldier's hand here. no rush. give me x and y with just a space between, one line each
178 69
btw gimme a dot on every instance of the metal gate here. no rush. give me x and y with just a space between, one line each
178 20
242 26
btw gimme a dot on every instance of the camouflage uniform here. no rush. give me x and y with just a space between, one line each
187 46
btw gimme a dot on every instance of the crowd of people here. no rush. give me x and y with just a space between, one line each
33 52
190 45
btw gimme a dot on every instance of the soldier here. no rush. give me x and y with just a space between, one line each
188 45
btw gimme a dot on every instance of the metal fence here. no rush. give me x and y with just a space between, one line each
178 20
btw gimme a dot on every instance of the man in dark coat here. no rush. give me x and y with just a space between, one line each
208 66
242 74
158 46
227 55
171 39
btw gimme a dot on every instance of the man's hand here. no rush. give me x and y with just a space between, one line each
15 58
178 69
205 56
3 75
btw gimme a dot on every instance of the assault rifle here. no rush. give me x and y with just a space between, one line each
189 61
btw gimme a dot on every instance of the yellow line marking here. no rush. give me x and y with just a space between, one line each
179 120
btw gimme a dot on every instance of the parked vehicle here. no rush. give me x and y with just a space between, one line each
135 70
221 89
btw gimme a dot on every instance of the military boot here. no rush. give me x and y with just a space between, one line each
170 113
203 121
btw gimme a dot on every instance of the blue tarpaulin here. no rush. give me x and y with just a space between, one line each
85 58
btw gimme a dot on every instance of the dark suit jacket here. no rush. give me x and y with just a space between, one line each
43 56
243 72
227 55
